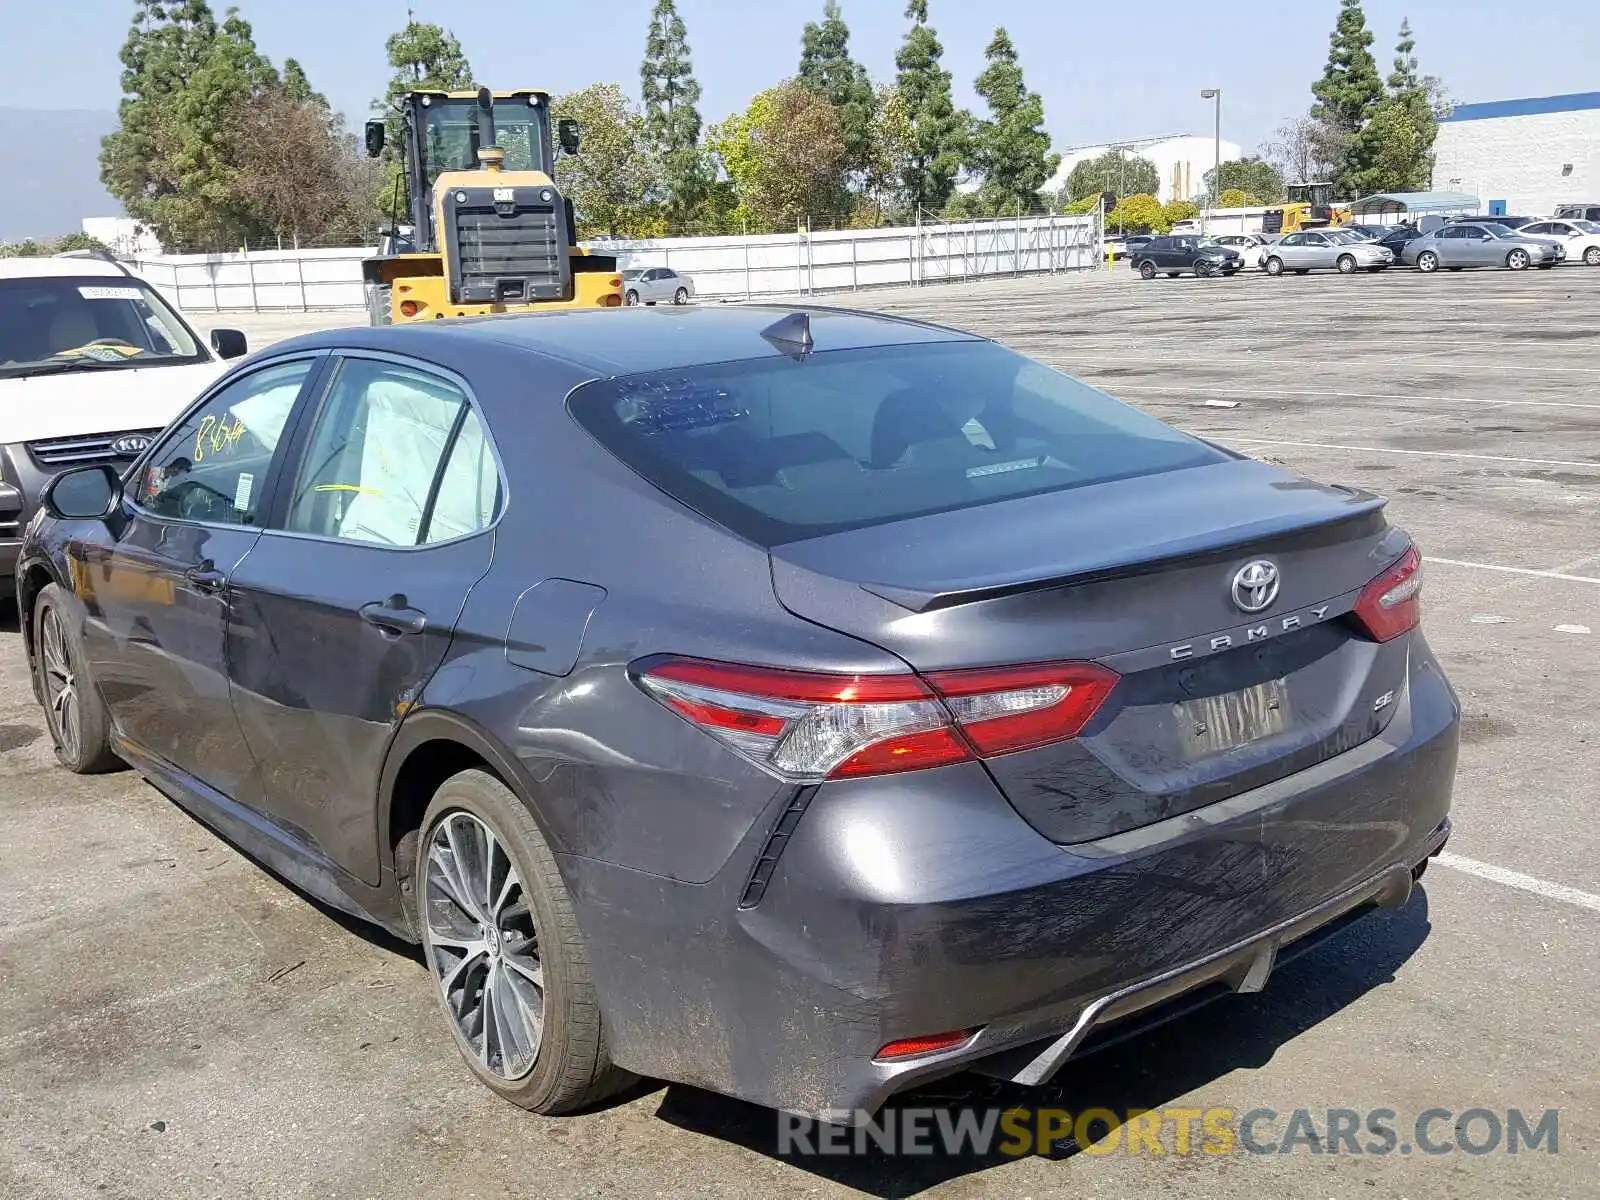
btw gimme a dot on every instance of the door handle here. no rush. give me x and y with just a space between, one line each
394 616
205 578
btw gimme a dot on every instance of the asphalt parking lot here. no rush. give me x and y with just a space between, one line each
175 1022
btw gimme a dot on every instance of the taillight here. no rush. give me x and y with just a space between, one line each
1392 603
810 726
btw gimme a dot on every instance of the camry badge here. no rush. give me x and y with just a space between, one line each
1255 586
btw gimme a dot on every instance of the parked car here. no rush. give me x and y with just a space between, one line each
650 285
1507 222
1588 211
1326 250
882 707
1579 237
1396 236
1132 244
1458 245
93 362
1373 233
1251 247
1177 253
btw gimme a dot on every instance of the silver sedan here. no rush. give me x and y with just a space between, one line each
1326 249
649 285
1479 244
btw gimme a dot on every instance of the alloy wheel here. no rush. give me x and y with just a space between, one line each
1591 256
61 685
484 946
1427 261
1517 260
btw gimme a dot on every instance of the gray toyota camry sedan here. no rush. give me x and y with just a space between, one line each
797 703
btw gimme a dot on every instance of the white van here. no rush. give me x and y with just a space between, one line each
93 364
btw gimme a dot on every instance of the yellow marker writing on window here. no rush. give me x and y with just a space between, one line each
216 435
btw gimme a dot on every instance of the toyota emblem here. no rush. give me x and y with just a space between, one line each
133 443
1255 586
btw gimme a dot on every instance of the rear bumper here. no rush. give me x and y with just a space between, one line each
924 904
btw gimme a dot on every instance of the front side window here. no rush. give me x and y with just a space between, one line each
371 471
779 451
88 323
213 467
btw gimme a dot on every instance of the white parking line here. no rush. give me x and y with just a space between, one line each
1270 393
1536 574
1538 462
1524 883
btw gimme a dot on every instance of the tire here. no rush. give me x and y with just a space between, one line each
1517 260
1427 262
79 726
631 298
1202 269
570 1068
380 310
681 296
1346 264
1147 270
1274 266
1591 256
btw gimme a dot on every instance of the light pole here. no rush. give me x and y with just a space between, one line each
1216 165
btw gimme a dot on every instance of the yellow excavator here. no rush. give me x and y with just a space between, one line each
1307 206
489 230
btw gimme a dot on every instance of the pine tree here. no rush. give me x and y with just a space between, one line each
827 68
938 132
1347 95
1397 143
671 97
1011 148
298 88
187 83
422 57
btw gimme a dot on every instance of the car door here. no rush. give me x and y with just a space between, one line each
157 595
348 603
1291 251
1320 251
1479 248
652 286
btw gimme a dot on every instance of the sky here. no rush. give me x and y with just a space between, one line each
1101 79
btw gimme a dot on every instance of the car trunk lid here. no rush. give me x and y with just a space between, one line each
1138 575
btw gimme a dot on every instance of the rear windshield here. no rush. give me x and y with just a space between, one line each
779 450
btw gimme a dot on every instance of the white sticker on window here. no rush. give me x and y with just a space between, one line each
242 490
110 293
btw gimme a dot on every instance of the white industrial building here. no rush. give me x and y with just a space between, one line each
1522 157
1181 162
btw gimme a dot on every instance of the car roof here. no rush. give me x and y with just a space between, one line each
55 268
630 341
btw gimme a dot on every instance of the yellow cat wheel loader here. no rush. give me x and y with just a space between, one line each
490 232
1308 206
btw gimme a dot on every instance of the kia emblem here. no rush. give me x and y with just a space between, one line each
131 444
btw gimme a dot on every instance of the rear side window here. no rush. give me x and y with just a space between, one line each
779 450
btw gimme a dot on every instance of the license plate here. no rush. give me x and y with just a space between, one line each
1212 724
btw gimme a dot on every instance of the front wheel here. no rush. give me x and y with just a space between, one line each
1274 267
74 713
1202 269
1427 262
1517 260
509 963
631 299
1346 264
1147 270
681 296
1591 256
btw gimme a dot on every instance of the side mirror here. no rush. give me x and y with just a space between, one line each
83 494
567 135
375 136
229 343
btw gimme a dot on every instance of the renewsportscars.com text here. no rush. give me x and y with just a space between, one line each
1176 1131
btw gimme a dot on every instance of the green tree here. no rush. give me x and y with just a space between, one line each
939 134
1010 147
1139 213
1347 95
1115 171
671 96
187 82
1239 198
422 57
1252 175
297 87
1178 210
784 154
1403 127
615 182
827 69
882 180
